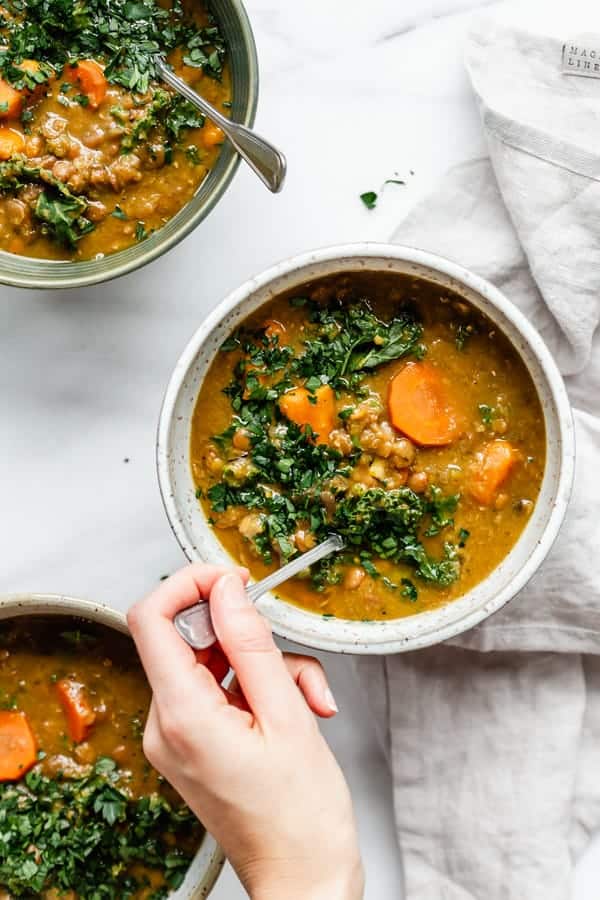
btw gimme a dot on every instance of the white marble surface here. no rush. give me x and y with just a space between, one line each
354 93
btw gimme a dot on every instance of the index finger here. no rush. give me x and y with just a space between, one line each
168 661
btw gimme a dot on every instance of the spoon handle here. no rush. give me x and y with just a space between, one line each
194 625
267 161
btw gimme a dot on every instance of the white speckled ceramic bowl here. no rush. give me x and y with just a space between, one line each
198 539
208 862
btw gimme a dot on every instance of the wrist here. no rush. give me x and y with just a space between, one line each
346 885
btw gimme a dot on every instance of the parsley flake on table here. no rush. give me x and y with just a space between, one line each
369 198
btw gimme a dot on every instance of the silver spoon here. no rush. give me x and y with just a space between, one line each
267 161
194 625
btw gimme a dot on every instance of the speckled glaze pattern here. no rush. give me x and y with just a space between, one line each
23 271
198 539
208 862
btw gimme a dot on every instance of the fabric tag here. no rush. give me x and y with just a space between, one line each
582 57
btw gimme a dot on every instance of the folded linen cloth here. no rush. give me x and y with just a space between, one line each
496 755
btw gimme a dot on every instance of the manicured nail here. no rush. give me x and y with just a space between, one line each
330 701
231 592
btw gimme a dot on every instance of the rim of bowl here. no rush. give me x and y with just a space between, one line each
340 635
33 273
14 606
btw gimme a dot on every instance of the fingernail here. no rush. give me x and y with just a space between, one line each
330 701
230 590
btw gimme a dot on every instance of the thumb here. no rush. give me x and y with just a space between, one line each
245 638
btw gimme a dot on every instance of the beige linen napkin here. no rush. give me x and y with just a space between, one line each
494 741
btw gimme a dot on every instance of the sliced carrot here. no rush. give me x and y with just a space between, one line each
492 467
11 142
89 75
421 407
18 750
11 101
212 135
297 406
273 328
77 708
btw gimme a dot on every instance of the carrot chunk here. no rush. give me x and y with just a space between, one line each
11 142
89 75
212 135
274 328
18 750
421 407
77 708
493 465
11 101
297 406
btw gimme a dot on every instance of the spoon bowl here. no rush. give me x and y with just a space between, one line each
194 625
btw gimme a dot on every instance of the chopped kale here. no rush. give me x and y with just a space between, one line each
350 339
61 212
441 509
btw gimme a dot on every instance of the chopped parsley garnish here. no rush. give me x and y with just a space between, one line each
118 213
168 112
125 35
463 536
89 837
487 413
140 232
464 331
387 524
282 476
193 154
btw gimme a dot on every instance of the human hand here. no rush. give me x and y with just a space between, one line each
249 760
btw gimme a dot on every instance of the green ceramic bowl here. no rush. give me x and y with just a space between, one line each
22 271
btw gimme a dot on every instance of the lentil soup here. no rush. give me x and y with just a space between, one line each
96 153
73 704
382 407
